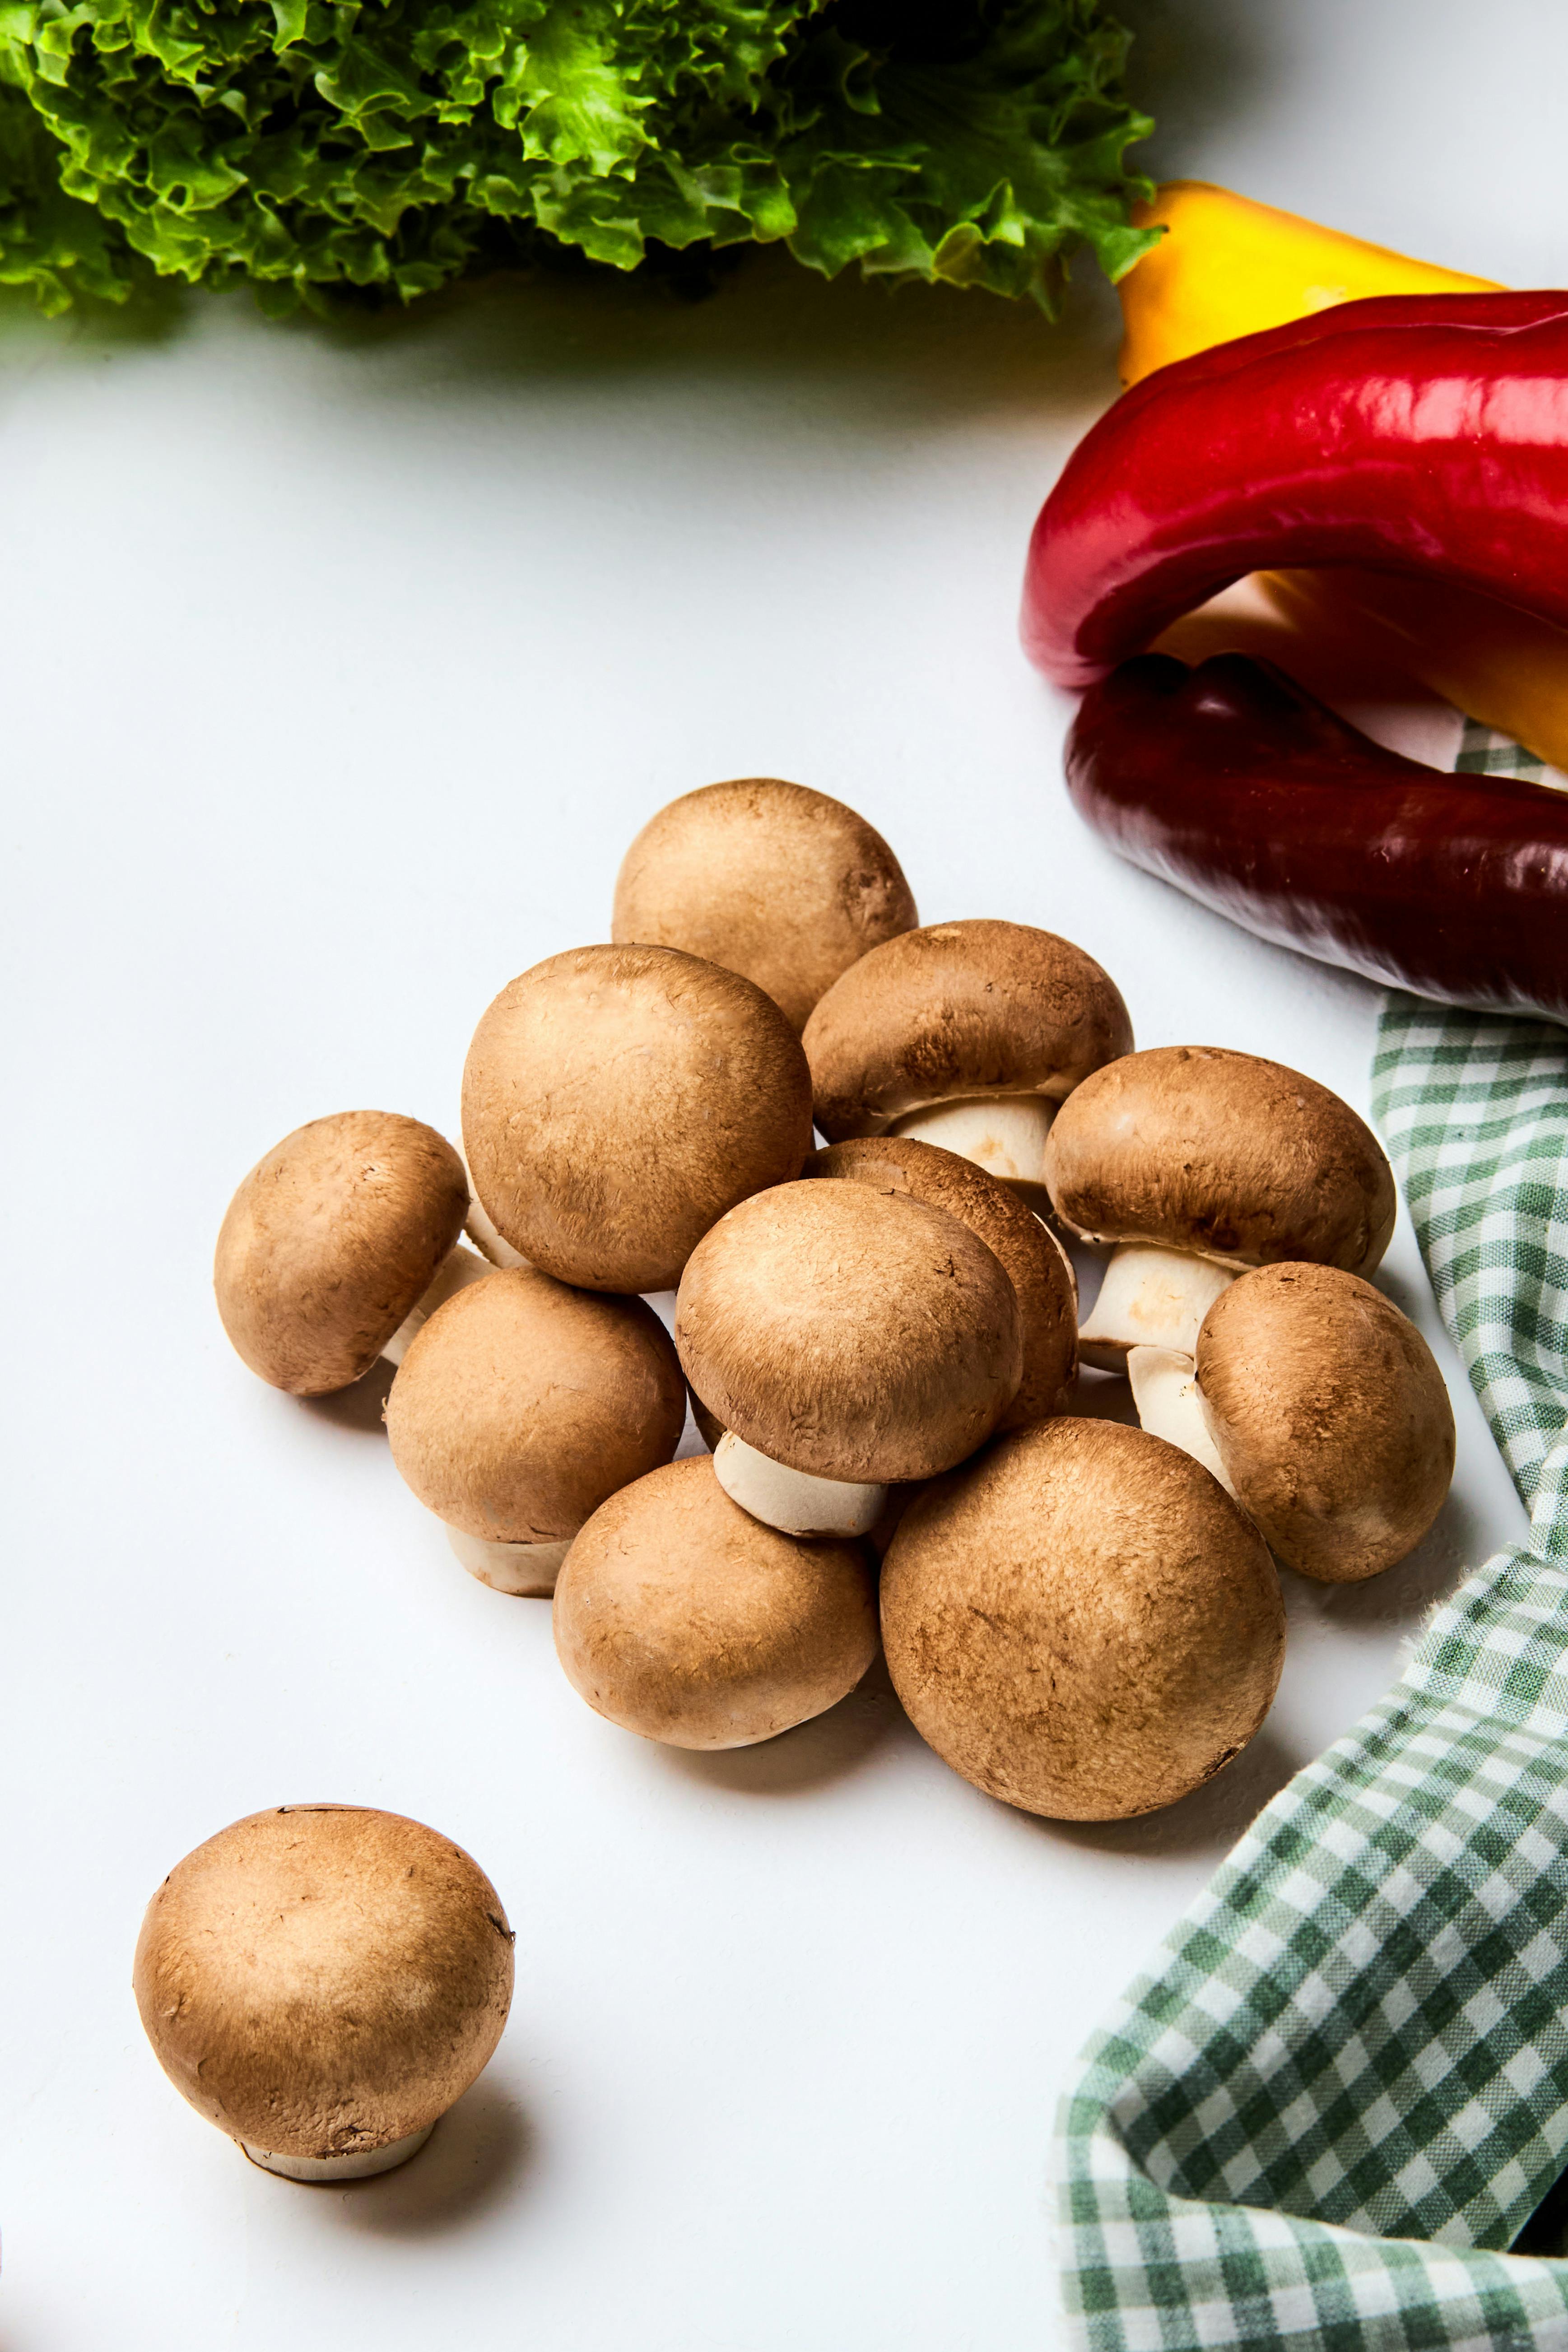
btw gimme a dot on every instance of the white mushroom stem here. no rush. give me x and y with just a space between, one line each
456 1270
528 1569
1003 1134
1170 1405
360 2164
793 1500
1150 1298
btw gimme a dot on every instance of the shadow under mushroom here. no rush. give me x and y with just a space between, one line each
826 1748
479 2155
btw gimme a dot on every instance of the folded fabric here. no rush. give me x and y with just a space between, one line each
1325 2112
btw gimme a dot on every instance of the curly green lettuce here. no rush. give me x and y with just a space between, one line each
313 145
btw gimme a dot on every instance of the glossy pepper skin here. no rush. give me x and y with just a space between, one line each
1228 266
1232 782
1410 433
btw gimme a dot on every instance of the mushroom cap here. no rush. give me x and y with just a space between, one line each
1331 1416
618 1101
1200 1149
680 1616
769 879
1031 1260
322 1980
521 1405
1082 1621
854 1334
329 1242
959 1008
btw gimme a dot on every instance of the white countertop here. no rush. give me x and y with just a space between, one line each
338 670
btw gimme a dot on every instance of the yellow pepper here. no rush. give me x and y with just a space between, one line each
1228 267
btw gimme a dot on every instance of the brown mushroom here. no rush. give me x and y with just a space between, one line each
321 1983
521 1407
1082 1621
1197 1162
1026 1250
845 1338
332 1245
1331 1416
680 1616
769 879
965 1034
618 1099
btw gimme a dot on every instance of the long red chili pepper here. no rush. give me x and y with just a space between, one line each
1231 781
1409 433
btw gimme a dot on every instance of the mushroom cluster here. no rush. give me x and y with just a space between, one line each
1085 1620
1243 1204
878 1338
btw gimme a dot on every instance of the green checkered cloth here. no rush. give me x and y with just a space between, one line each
1326 2113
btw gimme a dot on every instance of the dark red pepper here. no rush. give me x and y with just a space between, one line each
1233 783
1409 433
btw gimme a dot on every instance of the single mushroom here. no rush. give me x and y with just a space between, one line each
520 1407
769 879
680 1616
1196 1162
618 1099
338 1245
845 1338
322 1982
965 1034
1081 1623
1330 1415
1026 1250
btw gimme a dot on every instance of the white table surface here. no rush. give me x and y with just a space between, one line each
337 672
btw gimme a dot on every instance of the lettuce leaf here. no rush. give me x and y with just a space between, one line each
312 146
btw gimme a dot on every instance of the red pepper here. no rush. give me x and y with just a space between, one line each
1233 783
1411 433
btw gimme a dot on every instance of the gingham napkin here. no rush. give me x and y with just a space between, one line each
1323 2116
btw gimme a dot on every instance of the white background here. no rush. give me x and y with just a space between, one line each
337 671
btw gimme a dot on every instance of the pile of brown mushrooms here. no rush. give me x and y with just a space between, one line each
879 1340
